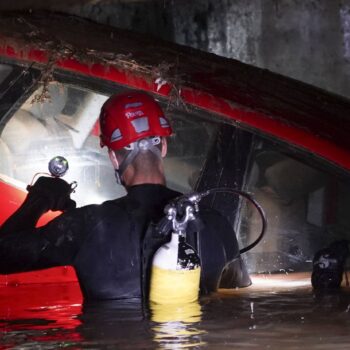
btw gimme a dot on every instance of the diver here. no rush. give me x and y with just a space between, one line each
104 242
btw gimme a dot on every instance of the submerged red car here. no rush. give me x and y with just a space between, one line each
236 126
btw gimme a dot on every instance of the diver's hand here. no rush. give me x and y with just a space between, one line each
54 191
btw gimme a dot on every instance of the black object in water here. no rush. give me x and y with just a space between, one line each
328 265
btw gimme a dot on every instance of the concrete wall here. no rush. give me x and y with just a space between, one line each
308 40
305 39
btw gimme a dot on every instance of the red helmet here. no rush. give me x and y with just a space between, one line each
129 117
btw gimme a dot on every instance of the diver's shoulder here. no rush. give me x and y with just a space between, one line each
113 204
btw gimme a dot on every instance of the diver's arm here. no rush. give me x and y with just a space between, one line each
46 194
235 275
24 247
26 216
55 244
222 265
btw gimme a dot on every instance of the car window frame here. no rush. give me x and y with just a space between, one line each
22 81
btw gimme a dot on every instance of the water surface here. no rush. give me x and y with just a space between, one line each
53 316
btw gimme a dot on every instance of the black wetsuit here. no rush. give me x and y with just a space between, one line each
103 242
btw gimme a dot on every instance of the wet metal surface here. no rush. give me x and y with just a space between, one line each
52 316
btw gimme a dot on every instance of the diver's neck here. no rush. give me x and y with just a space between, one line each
133 178
155 179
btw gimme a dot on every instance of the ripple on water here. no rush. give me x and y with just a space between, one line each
287 320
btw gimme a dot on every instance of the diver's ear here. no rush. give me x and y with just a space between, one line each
113 159
164 147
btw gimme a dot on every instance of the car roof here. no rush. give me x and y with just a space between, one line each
256 99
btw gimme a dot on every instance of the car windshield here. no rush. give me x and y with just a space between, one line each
62 119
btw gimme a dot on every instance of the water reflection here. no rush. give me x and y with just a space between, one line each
123 324
177 326
54 317
32 314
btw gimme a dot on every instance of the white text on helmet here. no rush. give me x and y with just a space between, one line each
134 114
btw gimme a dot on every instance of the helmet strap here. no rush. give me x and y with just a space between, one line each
141 146
118 177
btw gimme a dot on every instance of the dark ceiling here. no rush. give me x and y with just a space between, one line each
59 5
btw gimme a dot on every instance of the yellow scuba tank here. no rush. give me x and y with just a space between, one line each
175 270
175 273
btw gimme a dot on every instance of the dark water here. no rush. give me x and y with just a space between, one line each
53 317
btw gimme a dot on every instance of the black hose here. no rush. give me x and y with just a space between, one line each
250 199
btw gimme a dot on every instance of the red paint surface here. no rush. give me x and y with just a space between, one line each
96 129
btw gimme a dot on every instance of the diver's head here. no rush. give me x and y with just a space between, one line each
133 127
